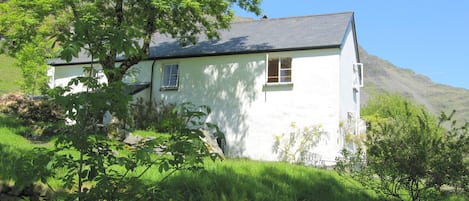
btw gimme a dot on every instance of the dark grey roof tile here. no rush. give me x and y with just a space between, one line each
307 32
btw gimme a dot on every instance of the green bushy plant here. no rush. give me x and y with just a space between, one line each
152 115
43 116
32 60
29 109
410 152
451 166
351 162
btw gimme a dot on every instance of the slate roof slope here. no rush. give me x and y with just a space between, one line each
265 35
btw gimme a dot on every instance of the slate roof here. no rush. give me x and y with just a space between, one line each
265 35
134 88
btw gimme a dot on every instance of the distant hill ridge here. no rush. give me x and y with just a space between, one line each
383 76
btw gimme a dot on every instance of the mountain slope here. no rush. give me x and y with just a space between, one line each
383 76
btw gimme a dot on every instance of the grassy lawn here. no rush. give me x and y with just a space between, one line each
9 74
239 179
223 180
231 179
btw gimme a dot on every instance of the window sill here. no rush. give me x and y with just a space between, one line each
278 84
281 86
169 88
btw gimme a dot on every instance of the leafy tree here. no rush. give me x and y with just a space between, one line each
451 166
99 169
25 26
21 22
109 28
408 149
31 59
104 30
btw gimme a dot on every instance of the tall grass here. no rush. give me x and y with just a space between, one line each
252 180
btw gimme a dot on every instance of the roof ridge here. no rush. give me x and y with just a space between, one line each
256 36
293 17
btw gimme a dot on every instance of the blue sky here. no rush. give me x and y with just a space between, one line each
431 37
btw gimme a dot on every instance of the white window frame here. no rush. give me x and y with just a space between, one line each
280 70
358 74
166 83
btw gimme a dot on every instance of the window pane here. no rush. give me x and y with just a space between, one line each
285 63
285 75
285 69
170 75
166 75
272 71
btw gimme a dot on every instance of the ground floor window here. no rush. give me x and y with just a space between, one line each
170 76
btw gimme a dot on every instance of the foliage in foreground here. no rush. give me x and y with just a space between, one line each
410 151
104 170
107 29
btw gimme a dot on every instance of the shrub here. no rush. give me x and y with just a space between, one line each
43 116
410 151
32 110
351 162
154 116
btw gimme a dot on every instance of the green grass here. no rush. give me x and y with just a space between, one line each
149 134
254 180
9 75
18 157
232 179
222 180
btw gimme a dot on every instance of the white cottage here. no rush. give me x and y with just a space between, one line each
259 78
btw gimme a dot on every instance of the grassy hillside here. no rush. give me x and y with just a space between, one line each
253 180
233 179
383 76
8 75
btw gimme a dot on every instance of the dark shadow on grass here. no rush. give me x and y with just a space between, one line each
12 123
23 166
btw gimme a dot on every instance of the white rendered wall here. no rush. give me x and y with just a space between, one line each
63 74
139 73
249 112
349 95
59 76
350 99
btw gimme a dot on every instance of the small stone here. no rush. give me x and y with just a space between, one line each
212 144
132 139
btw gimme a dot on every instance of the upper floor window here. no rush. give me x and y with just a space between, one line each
279 70
357 76
170 76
